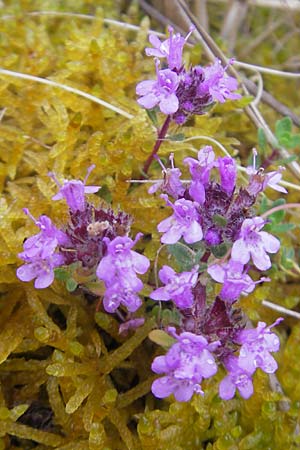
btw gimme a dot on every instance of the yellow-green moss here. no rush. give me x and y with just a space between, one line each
55 350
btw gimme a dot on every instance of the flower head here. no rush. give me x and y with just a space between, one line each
228 173
200 171
255 244
161 92
183 223
170 48
41 269
171 183
234 278
43 244
186 363
256 345
122 263
218 84
73 191
237 378
259 180
178 287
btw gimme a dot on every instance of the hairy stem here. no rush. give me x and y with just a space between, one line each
280 208
161 135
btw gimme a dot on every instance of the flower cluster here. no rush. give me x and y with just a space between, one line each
118 269
216 214
179 92
186 363
40 254
95 240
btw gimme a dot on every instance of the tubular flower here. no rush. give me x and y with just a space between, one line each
170 48
73 191
256 345
255 244
161 92
183 223
178 287
186 363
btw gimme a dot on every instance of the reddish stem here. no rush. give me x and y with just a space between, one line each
162 133
280 208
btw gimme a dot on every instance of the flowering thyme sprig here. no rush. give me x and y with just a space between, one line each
180 93
216 215
93 245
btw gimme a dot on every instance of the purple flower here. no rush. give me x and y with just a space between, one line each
131 324
191 99
118 271
237 378
257 343
259 180
161 92
178 287
254 243
73 191
116 294
218 84
171 183
234 278
200 170
183 223
41 269
273 178
171 48
186 363
228 172
122 263
43 244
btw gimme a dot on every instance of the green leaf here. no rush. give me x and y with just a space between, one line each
71 285
183 255
295 141
219 250
283 126
264 205
219 220
287 257
161 338
151 113
262 140
61 273
282 227
278 215
176 137
284 139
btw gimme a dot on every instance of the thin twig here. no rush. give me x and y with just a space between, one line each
200 9
267 70
283 207
281 309
260 89
268 99
279 4
48 82
232 22
88 17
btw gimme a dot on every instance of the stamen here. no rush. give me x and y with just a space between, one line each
90 169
